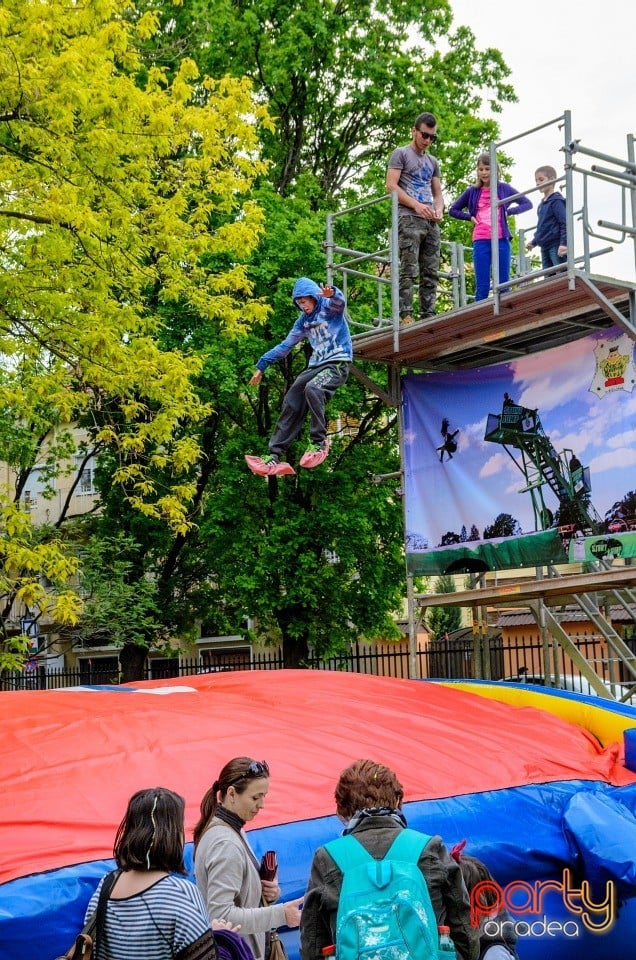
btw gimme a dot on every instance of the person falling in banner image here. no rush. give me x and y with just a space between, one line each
322 321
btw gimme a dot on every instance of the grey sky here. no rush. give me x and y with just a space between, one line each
575 55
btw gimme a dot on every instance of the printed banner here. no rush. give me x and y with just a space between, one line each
527 454
609 547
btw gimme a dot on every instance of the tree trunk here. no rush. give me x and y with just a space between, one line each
295 648
294 651
132 659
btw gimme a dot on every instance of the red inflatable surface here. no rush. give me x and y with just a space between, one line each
71 759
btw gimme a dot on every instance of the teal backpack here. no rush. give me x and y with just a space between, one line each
385 910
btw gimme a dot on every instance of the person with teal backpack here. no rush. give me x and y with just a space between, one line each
381 891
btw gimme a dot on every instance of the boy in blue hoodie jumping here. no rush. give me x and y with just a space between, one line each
321 321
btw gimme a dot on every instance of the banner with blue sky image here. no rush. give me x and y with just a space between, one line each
571 406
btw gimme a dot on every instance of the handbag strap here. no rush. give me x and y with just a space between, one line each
239 833
100 911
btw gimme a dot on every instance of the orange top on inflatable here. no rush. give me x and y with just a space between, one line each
70 759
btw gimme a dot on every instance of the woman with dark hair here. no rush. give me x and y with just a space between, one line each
226 869
497 937
369 802
151 914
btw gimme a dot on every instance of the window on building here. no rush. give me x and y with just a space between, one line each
226 658
31 494
85 482
162 668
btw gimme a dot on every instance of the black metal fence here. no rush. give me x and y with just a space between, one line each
467 657
381 660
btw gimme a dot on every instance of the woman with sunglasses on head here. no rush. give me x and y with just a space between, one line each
226 869
153 912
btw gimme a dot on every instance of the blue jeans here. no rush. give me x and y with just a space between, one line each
550 257
482 262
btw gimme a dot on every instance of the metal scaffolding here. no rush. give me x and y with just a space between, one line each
523 316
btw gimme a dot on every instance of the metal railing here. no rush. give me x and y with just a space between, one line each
621 173
447 658
354 264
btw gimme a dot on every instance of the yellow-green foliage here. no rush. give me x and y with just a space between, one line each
109 193
122 191
116 195
26 565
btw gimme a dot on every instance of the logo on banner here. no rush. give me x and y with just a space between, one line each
488 899
615 368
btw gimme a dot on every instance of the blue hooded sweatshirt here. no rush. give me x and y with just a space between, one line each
325 327
551 228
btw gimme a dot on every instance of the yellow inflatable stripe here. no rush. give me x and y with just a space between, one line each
605 719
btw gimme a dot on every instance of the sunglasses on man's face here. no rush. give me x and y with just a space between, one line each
425 135
257 768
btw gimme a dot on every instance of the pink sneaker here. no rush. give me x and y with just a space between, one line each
314 455
269 467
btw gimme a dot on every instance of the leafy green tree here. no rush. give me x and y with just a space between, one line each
344 81
119 606
449 538
35 572
110 188
341 81
316 560
623 508
504 525
323 563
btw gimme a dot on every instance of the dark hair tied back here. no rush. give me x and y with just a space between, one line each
237 773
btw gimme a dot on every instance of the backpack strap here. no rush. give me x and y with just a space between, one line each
347 852
408 845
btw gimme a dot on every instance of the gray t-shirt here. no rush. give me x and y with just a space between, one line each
417 172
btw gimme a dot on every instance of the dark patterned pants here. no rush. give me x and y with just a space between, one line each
309 391
419 243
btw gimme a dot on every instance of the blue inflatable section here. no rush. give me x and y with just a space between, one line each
540 832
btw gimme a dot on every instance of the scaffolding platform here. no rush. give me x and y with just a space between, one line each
541 314
553 591
534 311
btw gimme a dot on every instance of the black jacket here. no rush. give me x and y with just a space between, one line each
443 878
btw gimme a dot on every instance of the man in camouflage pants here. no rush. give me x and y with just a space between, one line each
414 174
